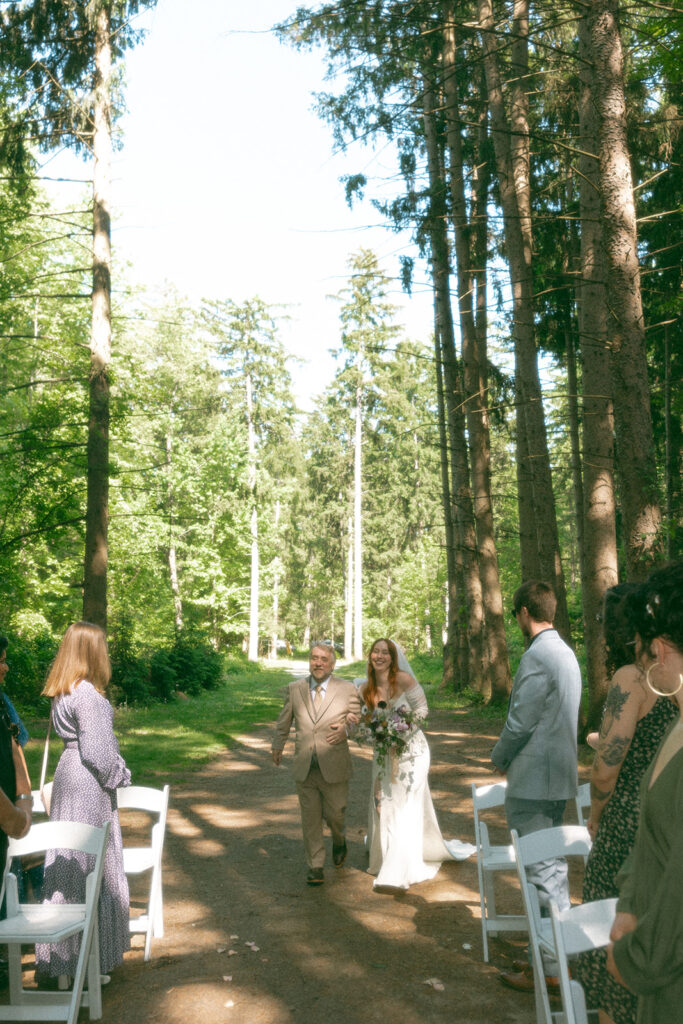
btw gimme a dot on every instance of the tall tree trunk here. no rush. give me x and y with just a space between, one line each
357 519
307 625
97 510
461 492
600 565
672 449
529 555
275 633
513 174
172 561
252 652
495 664
348 610
641 512
574 430
449 647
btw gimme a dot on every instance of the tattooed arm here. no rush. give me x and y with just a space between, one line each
623 707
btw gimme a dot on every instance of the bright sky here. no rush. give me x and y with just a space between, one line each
227 183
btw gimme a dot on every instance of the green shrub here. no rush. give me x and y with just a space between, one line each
196 663
29 658
146 676
162 675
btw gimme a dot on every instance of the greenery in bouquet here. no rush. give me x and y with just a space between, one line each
389 731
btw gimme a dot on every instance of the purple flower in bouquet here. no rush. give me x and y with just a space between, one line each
390 731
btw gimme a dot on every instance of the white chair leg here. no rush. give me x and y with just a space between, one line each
94 979
16 989
13 951
484 929
491 912
159 909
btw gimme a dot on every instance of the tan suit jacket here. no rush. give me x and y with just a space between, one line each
334 759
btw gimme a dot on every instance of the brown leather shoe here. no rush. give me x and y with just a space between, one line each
521 965
523 981
338 854
315 876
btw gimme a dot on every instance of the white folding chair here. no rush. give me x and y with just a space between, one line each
38 807
491 859
583 803
31 923
575 931
546 844
137 859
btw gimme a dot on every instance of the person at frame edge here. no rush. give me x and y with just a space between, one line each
16 801
537 750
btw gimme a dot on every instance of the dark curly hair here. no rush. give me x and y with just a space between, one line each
660 613
618 617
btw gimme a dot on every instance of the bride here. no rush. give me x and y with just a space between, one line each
405 844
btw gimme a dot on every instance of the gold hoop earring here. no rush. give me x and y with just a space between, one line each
661 693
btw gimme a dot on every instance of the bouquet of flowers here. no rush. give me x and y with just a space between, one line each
390 731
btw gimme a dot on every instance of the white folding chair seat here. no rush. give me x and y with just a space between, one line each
31 923
491 859
546 844
138 859
578 930
38 807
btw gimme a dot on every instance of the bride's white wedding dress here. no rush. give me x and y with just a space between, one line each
404 839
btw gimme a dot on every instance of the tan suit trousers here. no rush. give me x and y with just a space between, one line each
319 799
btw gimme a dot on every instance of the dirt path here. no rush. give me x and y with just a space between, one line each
234 876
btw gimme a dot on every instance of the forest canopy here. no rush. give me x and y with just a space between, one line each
157 476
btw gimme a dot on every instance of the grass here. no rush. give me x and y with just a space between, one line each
167 740
170 739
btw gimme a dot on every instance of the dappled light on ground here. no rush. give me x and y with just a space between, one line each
238 908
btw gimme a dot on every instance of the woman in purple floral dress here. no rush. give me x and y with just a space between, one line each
89 772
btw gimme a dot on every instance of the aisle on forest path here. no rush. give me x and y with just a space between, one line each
248 942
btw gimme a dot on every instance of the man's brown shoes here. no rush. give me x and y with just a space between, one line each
523 980
338 854
315 876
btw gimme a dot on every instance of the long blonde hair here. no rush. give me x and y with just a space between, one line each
82 655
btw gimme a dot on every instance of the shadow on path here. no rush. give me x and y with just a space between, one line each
247 941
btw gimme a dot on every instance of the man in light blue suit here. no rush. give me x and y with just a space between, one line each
537 748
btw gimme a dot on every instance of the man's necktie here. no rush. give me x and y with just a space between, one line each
317 698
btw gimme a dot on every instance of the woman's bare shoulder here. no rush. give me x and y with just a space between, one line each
629 677
404 680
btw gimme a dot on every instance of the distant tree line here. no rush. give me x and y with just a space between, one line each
156 474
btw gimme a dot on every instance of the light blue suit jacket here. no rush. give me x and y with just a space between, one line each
537 748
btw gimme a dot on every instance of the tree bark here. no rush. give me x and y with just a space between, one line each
97 510
275 633
348 610
513 176
495 664
172 560
252 651
599 569
574 431
461 492
449 650
640 504
307 627
357 519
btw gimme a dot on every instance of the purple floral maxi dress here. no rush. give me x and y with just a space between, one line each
85 782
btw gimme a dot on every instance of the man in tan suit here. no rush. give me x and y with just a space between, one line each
319 705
